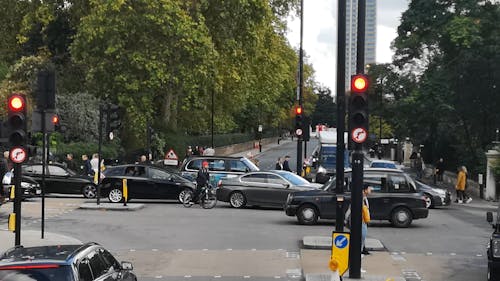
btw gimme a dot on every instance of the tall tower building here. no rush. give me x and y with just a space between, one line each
352 34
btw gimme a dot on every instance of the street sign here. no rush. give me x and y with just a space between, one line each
17 155
260 128
298 132
171 158
111 136
340 250
359 135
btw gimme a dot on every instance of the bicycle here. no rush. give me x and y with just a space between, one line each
207 198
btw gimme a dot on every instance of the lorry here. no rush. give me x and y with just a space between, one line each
323 160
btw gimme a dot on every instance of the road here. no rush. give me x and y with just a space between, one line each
166 241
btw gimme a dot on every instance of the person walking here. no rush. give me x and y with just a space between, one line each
460 186
202 180
440 169
70 163
418 166
286 164
365 219
87 167
279 164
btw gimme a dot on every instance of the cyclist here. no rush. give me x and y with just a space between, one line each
201 180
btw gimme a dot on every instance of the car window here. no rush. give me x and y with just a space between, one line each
110 260
216 165
260 178
237 166
293 178
84 271
274 179
194 165
398 183
376 181
56 171
139 171
116 171
33 169
97 264
61 273
159 174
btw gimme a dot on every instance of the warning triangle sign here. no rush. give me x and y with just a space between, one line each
171 155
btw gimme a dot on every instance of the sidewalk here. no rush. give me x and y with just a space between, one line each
255 151
33 238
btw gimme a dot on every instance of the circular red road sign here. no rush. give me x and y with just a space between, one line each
298 132
18 154
359 135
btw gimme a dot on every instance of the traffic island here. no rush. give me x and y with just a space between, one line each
325 243
111 206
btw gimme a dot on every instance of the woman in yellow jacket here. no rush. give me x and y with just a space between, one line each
460 186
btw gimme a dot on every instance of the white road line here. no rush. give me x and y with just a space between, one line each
187 276
132 250
254 249
229 249
277 277
403 253
428 254
158 276
205 249
246 276
453 254
154 250
479 255
179 250
217 276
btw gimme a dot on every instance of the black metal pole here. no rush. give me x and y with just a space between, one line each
357 168
212 129
99 152
301 85
17 201
340 100
44 165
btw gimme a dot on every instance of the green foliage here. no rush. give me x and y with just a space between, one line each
326 108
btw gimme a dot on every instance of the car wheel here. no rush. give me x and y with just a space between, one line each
307 214
237 200
115 195
401 217
183 193
89 191
428 201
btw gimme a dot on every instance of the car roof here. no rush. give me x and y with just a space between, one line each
383 161
60 254
215 157
378 170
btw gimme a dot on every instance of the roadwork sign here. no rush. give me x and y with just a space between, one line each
340 250
171 158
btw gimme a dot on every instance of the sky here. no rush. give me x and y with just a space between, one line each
320 34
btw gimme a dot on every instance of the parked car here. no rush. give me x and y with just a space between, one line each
384 164
144 182
262 188
434 196
493 249
29 186
218 166
59 179
63 262
394 198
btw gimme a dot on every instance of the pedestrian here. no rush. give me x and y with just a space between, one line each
418 166
365 219
202 180
4 168
440 169
87 167
460 186
70 163
286 164
189 151
143 159
94 162
279 164
196 151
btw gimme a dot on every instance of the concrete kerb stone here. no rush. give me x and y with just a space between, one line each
327 277
111 206
30 238
325 243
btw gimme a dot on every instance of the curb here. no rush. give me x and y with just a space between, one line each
327 277
325 243
111 207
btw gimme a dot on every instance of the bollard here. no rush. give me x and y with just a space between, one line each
260 145
334 265
481 186
125 191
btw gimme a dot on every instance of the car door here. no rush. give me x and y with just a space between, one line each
253 186
60 181
139 185
327 199
165 185
399 190
379 200
276 191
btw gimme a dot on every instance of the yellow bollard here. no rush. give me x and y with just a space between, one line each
334 266
95 178
12 192
12 222
125 192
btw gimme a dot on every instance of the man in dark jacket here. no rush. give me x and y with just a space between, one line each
202 180
440 169
286 164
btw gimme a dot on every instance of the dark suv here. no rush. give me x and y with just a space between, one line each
394 198
86 262
493 250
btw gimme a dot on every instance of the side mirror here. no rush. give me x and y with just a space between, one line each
287 185
489 217
127 265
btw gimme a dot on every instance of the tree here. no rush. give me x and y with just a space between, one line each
325 111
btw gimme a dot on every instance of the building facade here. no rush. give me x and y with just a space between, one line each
351 36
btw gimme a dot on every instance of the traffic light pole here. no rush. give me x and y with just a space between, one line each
301 82
99 152
44 165
17 202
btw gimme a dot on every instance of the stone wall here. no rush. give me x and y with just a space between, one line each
240 147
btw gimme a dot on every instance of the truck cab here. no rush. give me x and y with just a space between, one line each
493 251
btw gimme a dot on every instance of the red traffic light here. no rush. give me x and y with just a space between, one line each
359 83
298 110
16 103
55 119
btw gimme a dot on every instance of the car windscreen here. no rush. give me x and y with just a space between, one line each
383 165
56 273
250 165
328 156
293 178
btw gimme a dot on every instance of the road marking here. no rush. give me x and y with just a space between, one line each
403 253
453 254
246 276
205 249
428 254
154 250
158 276
394 253
292 255
277 277
254 249
479 255
132 250
217 276
187 276
179 250
229 249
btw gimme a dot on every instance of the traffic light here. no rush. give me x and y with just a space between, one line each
358 109
56 122
299 120
113 121
16 122
46 90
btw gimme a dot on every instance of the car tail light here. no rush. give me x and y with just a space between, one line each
30 266
219 183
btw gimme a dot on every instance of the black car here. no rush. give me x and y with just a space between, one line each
394 198
144 182
434 196
493 251
29 187
86 262
59 179
262 188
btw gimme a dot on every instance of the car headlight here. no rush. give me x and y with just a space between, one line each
27 185
321 170
289 198
495 248
439 191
